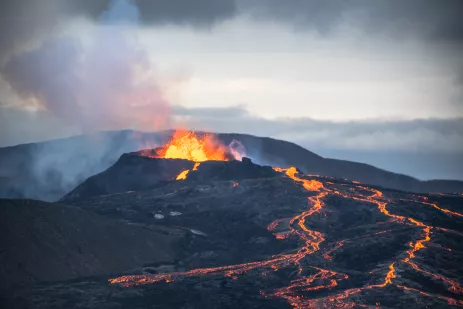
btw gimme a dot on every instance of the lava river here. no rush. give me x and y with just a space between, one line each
298 291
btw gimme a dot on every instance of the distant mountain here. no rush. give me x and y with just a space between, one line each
49 170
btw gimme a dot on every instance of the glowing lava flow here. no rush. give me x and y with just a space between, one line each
311 240
182 175
322 279
454 286
187 145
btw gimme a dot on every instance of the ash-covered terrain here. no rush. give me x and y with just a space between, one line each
170 233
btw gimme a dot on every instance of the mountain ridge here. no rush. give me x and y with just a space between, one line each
48 170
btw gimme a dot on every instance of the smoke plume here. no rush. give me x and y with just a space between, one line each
104 82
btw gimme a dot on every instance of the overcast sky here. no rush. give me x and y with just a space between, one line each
357 79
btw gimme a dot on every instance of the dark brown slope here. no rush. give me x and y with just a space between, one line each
49 170
130 173
133 172
53 242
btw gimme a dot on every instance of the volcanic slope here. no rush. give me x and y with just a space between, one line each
276 240
48 170
44 242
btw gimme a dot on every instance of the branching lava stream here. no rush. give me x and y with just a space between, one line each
297 292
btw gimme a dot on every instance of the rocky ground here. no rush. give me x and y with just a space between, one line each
250 237
43 242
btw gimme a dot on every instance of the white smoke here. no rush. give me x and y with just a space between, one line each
105 82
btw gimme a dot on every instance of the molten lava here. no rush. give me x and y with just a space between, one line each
182 175
187 145
323 279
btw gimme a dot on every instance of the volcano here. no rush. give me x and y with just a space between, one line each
206 227
49 170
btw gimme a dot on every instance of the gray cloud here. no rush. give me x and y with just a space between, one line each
422 135
431 19
435 22
209 112
197 12
22 20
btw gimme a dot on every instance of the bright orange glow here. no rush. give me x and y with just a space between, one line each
390 275
182 175
187 145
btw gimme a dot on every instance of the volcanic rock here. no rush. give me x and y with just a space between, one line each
134 172
130 173
231 170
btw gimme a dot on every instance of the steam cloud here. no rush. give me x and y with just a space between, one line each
106 83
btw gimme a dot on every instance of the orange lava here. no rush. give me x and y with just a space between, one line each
182 175
446 211
187 145
323 279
